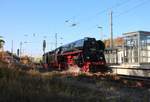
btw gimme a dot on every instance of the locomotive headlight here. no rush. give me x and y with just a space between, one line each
93 49
87 57
101 58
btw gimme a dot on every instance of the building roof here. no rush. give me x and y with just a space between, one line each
136 32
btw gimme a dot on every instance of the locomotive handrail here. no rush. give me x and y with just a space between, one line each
67 53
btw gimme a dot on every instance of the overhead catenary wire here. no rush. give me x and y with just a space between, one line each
133 8
135 5
110 8
141 3
117 5
98 13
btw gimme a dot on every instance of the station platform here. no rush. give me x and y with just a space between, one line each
131 70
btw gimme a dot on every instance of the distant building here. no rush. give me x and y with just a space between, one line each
37 59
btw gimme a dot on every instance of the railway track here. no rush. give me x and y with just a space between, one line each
135 78
136 81
130 81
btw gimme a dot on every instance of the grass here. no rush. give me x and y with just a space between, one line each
31 86
19 86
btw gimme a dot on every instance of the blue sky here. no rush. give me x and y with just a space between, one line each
33 21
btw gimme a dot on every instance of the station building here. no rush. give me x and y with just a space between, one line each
133 57
135 49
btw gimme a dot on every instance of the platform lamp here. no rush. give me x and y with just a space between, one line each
99 27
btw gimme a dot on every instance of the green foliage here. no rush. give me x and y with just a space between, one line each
1 42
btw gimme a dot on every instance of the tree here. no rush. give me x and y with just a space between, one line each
1 47
1 42
107 43
119 41
116 41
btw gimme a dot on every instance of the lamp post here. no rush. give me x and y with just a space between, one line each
21 44
20 48
61 43
12 50
99 27
56 40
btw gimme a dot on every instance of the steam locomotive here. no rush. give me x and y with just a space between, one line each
87 54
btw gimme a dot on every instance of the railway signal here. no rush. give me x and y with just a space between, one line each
18 52
44 45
